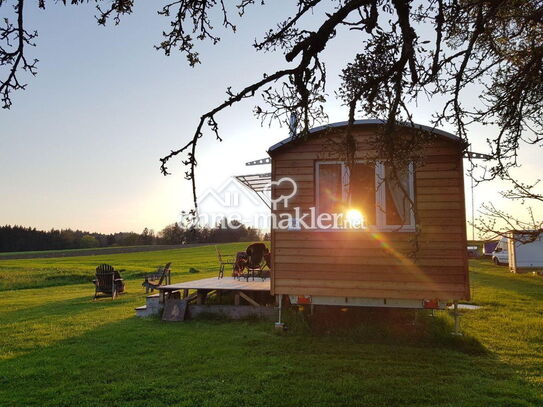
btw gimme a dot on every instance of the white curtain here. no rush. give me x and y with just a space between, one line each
401 201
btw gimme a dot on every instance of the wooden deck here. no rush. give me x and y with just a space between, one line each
223 284
250 291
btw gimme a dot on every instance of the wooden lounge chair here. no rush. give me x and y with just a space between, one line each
160 277
224 260
108 281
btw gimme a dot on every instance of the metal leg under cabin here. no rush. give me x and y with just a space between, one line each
456 320
279 325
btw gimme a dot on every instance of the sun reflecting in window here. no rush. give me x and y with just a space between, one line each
355 219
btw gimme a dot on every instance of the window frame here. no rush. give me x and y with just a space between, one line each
380 195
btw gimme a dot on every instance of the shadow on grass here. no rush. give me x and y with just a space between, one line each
62 308
142 362
403 327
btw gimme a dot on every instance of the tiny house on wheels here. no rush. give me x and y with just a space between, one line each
402 239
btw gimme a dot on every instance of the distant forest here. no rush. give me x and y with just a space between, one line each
20 238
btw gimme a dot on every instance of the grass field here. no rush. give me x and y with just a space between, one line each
95 251
60 251
58 348
44 272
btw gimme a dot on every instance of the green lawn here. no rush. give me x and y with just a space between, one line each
61 251
34 273
59 348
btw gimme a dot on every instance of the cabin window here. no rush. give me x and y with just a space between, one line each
383 200
330 187
361 191
397 196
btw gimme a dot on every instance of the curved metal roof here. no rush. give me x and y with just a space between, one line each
362 122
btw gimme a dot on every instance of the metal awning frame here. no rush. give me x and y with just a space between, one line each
259 184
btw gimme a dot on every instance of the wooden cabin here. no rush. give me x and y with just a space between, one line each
402 256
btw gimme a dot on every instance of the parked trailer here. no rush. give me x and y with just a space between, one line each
524 252
519 251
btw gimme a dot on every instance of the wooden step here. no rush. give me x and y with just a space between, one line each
152 302
143 311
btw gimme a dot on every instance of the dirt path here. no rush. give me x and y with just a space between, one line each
99 251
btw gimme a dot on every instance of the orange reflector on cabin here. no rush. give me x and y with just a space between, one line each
303 299
431 304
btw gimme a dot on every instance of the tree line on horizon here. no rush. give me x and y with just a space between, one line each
20 238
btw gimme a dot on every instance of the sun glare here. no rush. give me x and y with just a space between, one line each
355 218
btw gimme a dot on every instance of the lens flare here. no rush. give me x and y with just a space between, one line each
355 218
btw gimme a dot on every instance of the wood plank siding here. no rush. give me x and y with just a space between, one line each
375 264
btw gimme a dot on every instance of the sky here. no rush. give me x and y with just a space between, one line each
80 147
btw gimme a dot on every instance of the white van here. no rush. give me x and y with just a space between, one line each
500 255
